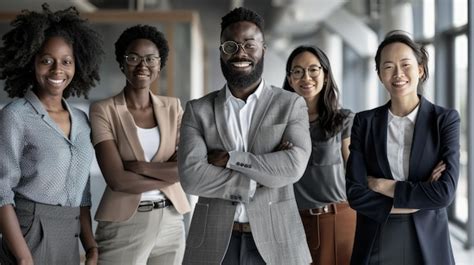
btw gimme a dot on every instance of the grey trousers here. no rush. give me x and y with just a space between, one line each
242 251
51 233
397 243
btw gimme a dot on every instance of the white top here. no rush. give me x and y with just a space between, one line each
238 114
150 142
399 140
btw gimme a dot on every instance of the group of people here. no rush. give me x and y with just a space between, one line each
284 176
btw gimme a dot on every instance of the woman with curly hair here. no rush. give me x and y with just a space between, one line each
46 153
328 220
135 135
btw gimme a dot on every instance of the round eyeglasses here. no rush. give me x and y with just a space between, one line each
231 47
312 70
135 59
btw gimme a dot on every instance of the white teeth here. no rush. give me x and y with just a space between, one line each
55 81
241 64
399 83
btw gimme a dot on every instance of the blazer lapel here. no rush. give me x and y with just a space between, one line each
163 121
420 136
379 130
263 104
221 123
128 125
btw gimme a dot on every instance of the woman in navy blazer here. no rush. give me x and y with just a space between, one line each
401 191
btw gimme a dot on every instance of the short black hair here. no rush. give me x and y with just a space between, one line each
402 37
141 32
242 14
30 31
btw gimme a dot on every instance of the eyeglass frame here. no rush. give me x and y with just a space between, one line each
142 59
239 46
305 70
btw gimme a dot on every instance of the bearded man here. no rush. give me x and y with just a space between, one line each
241 150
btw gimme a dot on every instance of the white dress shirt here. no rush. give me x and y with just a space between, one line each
399 141
239 115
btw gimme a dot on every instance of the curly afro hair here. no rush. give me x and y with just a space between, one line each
242 14
30 31
141 32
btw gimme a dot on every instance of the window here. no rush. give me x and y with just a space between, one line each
459 12
429 86
428 19
460 103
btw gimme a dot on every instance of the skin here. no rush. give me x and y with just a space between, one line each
54 70
243 62
137 177
310 89
400 74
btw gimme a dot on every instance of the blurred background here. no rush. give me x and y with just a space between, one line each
347 30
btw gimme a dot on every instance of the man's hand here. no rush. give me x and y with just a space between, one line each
218 158
286 145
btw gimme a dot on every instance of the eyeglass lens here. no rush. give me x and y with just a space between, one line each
299 72
231 47
134 59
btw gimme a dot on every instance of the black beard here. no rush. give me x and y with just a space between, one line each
240 80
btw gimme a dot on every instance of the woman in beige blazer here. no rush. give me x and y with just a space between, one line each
135 135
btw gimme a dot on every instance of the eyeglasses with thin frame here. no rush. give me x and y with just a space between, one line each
150 60
313 71
249 46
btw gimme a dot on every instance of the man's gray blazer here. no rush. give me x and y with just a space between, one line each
273 214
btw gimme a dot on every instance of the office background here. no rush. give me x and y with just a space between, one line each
347 30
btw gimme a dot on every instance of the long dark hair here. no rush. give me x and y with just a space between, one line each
330 118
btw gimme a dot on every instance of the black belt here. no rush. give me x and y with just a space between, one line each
146 206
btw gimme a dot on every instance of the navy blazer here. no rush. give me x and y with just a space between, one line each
435 138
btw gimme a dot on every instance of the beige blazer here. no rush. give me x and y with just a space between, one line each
111 120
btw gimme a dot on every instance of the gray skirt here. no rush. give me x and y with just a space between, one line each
51 233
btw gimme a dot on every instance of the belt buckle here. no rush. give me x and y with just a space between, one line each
145 206
322 210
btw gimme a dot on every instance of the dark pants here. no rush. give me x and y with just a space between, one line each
330 235
397 243
51 233
242 251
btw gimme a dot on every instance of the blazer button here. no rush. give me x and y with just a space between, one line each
238 164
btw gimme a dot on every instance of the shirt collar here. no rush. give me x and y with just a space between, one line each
411 116
256 94
33 99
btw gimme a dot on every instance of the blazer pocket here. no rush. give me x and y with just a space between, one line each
198 226
286 222
324 154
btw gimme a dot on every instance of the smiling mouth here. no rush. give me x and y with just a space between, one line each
241 65
56 82
399 83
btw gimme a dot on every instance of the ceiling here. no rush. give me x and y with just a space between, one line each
282 17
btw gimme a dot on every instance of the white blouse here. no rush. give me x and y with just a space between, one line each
399 141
